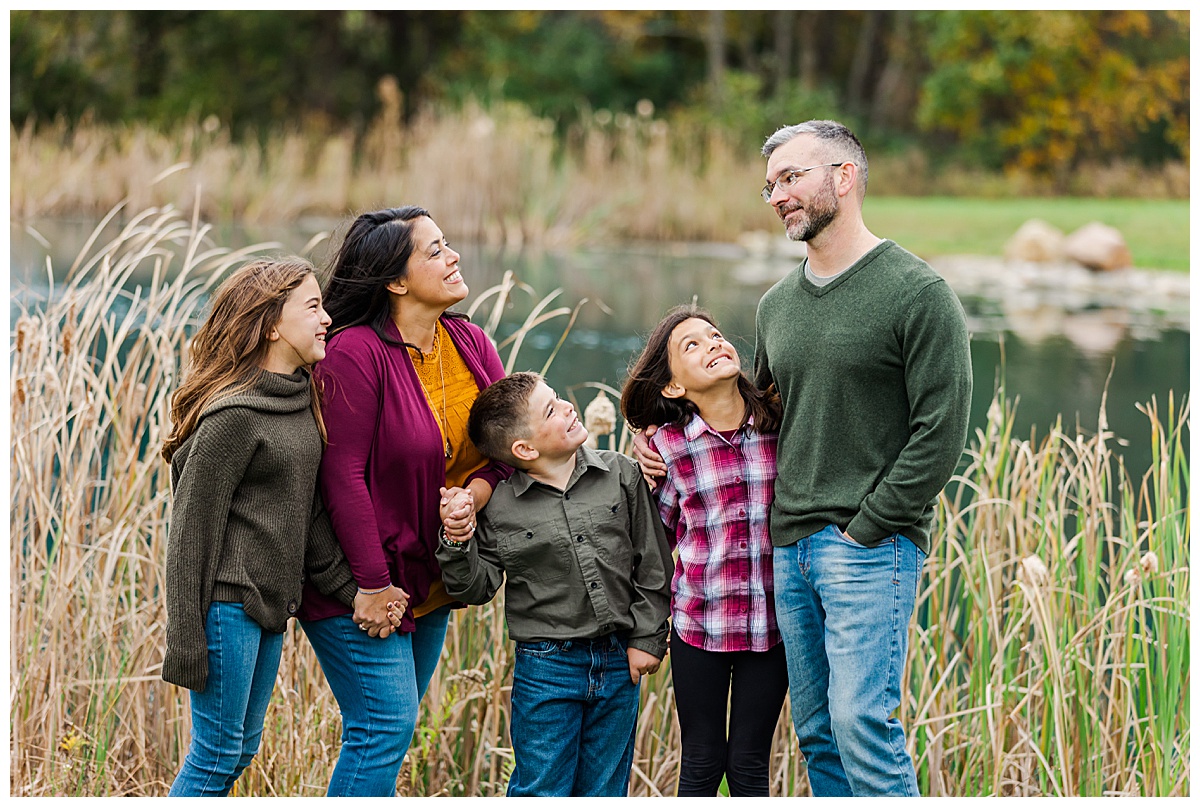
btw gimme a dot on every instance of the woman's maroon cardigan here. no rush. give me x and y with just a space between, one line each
385 459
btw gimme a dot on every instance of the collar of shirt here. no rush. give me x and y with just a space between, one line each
584 458
697 426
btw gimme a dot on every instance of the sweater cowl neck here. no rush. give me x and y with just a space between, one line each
270 392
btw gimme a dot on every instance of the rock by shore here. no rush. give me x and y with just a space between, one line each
1036 299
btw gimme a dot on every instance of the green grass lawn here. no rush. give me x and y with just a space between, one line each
1157 231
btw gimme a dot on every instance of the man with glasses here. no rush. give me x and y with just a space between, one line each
869 351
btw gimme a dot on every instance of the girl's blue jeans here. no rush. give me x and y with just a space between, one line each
378 684
227 716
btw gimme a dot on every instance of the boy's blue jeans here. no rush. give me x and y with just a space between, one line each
227 715
378 684
574 715
843 610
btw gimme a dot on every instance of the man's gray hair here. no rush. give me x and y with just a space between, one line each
843 144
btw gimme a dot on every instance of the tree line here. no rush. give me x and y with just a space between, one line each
1043 91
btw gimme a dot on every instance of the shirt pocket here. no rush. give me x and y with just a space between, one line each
610 533
534 553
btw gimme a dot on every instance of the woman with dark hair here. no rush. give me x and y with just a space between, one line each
399 377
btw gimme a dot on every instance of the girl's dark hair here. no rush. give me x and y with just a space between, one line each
373 254
642 401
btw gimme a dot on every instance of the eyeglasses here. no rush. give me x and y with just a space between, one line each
791 178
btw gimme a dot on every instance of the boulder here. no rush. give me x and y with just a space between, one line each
1098 247
1035 241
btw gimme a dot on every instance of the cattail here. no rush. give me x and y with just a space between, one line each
68 332
599 418
1133 576
1033 571
22 327
1150 563
20 391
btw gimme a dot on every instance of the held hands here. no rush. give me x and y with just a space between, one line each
457 510
641 663
650 461
396 611
379 613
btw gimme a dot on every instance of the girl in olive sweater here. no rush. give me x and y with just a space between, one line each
246 525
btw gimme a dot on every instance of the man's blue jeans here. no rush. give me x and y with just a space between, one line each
574 715
843 610
227 716
378 684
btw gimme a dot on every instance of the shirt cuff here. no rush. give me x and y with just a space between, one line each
449 543
654 646
865 531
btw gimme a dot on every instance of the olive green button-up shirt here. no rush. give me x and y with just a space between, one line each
580 563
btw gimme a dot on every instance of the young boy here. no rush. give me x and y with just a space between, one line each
588 590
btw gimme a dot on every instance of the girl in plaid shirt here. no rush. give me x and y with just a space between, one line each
716 434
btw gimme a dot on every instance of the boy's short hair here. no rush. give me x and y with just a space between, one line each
500 416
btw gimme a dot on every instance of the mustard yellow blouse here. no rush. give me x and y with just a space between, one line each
450 389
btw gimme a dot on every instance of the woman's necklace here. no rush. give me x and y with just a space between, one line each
445 424
435 352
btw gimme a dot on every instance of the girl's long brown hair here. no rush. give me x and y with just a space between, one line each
642 401
228 351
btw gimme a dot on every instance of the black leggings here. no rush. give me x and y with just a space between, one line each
702 680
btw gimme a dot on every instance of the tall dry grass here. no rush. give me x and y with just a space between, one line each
1050 653
496 176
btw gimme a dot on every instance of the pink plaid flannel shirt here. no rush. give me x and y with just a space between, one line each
714 502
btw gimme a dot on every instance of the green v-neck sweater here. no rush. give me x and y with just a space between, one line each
874 374
247 525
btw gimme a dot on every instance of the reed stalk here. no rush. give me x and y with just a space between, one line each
1049 655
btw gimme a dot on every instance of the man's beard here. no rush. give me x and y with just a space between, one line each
819 213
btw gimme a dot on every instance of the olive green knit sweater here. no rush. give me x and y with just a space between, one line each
874 373
247 524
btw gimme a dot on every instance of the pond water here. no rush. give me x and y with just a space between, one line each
1057 353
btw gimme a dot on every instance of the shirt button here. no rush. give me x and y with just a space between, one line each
737 479
566 495
529 535
742 513
595 586
744 578
292 606
742 545
579 538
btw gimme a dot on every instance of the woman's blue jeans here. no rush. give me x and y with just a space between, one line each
378 684
227 716
843 610
574 715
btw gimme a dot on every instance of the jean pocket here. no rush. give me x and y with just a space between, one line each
539 649
846 539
